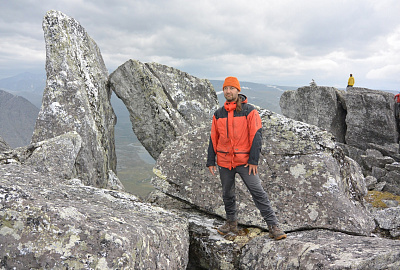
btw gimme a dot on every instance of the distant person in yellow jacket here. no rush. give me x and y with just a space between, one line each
350 82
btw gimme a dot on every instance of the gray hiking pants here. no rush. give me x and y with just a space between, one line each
253 184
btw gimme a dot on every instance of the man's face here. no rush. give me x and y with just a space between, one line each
230 93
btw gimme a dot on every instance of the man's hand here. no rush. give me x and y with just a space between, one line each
252 168
212 169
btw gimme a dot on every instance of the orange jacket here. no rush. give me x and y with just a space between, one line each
397 98
235 136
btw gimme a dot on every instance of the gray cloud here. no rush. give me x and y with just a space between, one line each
283 42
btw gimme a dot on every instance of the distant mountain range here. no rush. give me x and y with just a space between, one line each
17 119
27 85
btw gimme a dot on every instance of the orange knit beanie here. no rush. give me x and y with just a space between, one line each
232 81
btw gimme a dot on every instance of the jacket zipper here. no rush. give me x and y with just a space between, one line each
227 128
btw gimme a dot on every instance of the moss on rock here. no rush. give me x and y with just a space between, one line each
376 198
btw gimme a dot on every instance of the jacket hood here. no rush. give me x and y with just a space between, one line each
243 98
232 105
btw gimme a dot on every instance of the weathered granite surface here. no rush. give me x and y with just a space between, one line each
320 249
55 156
47 223
389 219
304 249
208 249
370 118
311 184
76 98
163 102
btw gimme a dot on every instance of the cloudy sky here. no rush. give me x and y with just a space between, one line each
281 42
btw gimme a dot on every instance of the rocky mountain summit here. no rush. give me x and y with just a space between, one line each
62 206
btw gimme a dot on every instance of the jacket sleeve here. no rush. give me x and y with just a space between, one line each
255 130
212 144
210 155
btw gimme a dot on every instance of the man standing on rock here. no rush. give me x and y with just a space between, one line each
235 144
350 81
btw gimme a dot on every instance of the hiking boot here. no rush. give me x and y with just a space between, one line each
275 232
229 226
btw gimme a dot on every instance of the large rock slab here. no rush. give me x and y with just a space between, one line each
321 249
306 249
163 102
46 224
54 156
316 105
76 98
310 182
370 118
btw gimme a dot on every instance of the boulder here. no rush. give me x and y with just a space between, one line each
76 98
54 156
388 219
368 126
357 117
377 172
319 249
370 118
316 105
392 180
311 184
370 182
380 186
163 102
52 224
